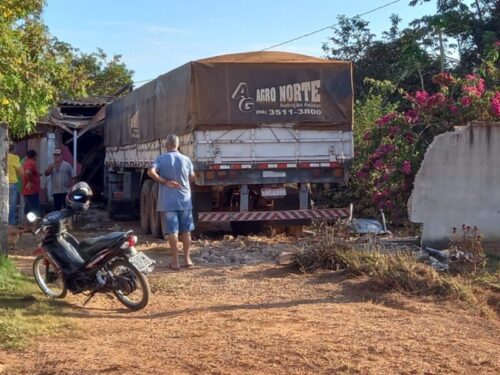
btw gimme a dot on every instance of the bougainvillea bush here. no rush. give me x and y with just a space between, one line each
390 152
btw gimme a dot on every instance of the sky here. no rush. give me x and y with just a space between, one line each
156 36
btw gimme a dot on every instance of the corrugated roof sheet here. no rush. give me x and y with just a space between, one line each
95 101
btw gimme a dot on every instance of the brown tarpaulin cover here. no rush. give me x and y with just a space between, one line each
231 91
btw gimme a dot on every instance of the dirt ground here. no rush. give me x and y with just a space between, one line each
261 319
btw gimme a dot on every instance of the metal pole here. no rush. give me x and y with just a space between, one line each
75 132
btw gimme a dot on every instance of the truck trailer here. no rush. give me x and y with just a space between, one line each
262 130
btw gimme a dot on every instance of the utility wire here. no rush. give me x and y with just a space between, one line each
329 27
323 29
144 80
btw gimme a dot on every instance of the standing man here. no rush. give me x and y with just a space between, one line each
31 184
61 173
174 171
15 173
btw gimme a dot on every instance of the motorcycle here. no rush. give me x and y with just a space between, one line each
106 264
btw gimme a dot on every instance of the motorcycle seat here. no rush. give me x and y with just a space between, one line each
90 246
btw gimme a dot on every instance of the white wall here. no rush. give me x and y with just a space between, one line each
459 183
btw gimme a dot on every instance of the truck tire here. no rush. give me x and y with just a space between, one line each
111 210
144 208
245 228
154 216
202 202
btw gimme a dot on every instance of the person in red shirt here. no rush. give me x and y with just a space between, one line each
31 184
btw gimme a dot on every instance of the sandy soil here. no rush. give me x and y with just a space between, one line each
262 319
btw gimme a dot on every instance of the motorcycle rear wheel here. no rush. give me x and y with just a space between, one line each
48 278
123 268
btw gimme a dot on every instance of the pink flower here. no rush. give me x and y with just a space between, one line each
495 104
409 138
444 79
436 99
379 164
411 116
384 120
406 167
422 97
496 44
466 101
361 175
453 109
367 136
394 130
474 85
378 196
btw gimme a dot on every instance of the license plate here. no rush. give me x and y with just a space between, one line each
142 262
273 193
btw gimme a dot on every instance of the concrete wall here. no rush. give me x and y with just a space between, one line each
459 183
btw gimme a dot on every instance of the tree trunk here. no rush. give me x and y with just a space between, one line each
4 188
479 11
421 78
441 50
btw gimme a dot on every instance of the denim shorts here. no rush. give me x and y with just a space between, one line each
178 222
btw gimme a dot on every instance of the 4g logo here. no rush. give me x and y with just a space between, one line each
246 103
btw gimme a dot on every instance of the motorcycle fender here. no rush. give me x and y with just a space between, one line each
130 252
38 251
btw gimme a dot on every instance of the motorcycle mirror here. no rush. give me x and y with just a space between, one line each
31 217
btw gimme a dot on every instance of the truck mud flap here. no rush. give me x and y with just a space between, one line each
318 214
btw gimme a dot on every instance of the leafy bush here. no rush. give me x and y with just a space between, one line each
390 151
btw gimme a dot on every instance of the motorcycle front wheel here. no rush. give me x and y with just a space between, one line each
49 278
132 286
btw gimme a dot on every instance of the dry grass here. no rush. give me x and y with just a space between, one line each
265 320
400 271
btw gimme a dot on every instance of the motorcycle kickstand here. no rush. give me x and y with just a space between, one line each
89 297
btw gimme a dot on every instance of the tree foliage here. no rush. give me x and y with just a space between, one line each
390 151
457 38
36 69
393 130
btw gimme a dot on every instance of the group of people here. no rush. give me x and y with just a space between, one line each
173 171
24 181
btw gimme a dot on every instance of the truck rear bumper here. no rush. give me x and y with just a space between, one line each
318 214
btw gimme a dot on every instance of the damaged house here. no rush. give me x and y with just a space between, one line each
79 119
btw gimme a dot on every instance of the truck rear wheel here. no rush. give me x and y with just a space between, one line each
202 202
154 216
144 209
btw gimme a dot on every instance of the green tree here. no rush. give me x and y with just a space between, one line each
475 27
103 76
397 57
27 65
36 68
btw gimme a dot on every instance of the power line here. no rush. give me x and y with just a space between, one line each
329 27
144 80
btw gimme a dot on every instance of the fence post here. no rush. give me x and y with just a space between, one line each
4 188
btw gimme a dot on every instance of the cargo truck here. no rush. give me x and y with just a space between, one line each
262 130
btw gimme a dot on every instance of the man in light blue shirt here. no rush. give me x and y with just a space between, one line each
174 172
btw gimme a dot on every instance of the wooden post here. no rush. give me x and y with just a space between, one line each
4 188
